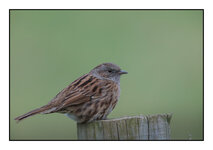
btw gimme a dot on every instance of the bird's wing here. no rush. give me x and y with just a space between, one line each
80 91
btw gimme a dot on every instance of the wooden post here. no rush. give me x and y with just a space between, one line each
150 127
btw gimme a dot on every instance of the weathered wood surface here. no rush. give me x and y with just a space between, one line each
150 127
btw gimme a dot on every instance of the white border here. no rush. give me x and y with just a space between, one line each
107 4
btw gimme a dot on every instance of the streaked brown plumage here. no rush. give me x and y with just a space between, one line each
91 97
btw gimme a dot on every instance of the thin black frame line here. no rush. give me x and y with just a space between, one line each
9 77
111 9
203 71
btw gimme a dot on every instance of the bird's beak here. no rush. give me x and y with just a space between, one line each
122 72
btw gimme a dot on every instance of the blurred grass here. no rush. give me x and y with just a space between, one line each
161 50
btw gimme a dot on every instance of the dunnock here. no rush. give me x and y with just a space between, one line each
91 97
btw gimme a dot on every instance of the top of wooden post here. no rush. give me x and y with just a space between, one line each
142 127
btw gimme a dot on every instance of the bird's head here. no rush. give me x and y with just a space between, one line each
108 71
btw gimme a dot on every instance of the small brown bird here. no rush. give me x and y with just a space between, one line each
91 97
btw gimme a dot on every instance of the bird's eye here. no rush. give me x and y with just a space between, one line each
110 71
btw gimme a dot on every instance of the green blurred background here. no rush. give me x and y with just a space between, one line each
161 50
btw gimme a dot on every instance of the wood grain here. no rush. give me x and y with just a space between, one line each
150 127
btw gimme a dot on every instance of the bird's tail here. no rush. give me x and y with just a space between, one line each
43 109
